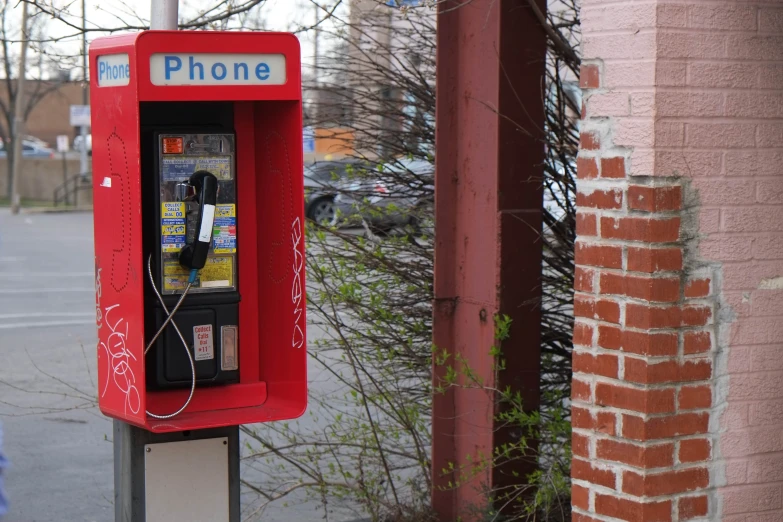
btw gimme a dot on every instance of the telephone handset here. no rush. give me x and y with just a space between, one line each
194 255
193 196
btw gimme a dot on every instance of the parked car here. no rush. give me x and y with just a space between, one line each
78 143
31 149
322 181
391 195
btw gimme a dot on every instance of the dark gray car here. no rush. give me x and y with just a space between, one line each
386 196
322 182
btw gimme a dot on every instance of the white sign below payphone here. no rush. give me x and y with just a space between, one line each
217 69
203 343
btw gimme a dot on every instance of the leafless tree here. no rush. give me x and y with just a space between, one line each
37 86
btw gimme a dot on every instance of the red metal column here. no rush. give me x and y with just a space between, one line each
488 207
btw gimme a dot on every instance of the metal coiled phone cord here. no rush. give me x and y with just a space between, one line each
170 319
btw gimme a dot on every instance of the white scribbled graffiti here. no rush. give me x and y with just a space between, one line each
98 293
119 356
297 292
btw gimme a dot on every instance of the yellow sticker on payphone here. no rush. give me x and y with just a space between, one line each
218 272
172 210
224 230
173 230
220 166
175 276
172 223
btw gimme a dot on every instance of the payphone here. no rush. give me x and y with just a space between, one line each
198 208
197 215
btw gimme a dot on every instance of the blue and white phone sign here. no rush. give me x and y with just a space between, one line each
113 70
217 69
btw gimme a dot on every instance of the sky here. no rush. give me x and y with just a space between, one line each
277 15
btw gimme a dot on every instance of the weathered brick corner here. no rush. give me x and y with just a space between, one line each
678 373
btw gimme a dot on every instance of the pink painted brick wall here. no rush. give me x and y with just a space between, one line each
690 94
736 127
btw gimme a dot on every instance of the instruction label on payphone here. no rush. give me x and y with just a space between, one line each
181 156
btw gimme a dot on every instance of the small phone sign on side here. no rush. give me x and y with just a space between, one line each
113 70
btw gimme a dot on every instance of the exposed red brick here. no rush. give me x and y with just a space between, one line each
586 168
639 456
584 306
632 511
602 364
648 343
602 422
586 224
583 334
580 445
583 470
697 342
645 316
656 289
666 483
602 309
651 260
589 141
580 391
694 450
613 168
634 428
654 199
581 418
610 337
578 517
580 497
682 424
694 398
696 315
640 371
692 507
602 199
607 256
650 230
583 279
648 316
641 400
589 77
605 422
697 288
607 310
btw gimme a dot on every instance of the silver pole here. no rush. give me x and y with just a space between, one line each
164 15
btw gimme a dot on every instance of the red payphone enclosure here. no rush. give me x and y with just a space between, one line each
267 117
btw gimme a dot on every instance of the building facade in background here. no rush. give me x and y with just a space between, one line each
678 357
360 87
50 116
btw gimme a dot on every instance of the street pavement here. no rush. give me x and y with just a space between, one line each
58 442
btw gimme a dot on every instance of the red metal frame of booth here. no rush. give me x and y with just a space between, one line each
270 249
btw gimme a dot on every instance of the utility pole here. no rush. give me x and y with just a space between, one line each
164 15
316 38
85 87
491 263
19 116
138 475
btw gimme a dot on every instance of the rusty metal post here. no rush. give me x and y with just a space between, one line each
490 152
